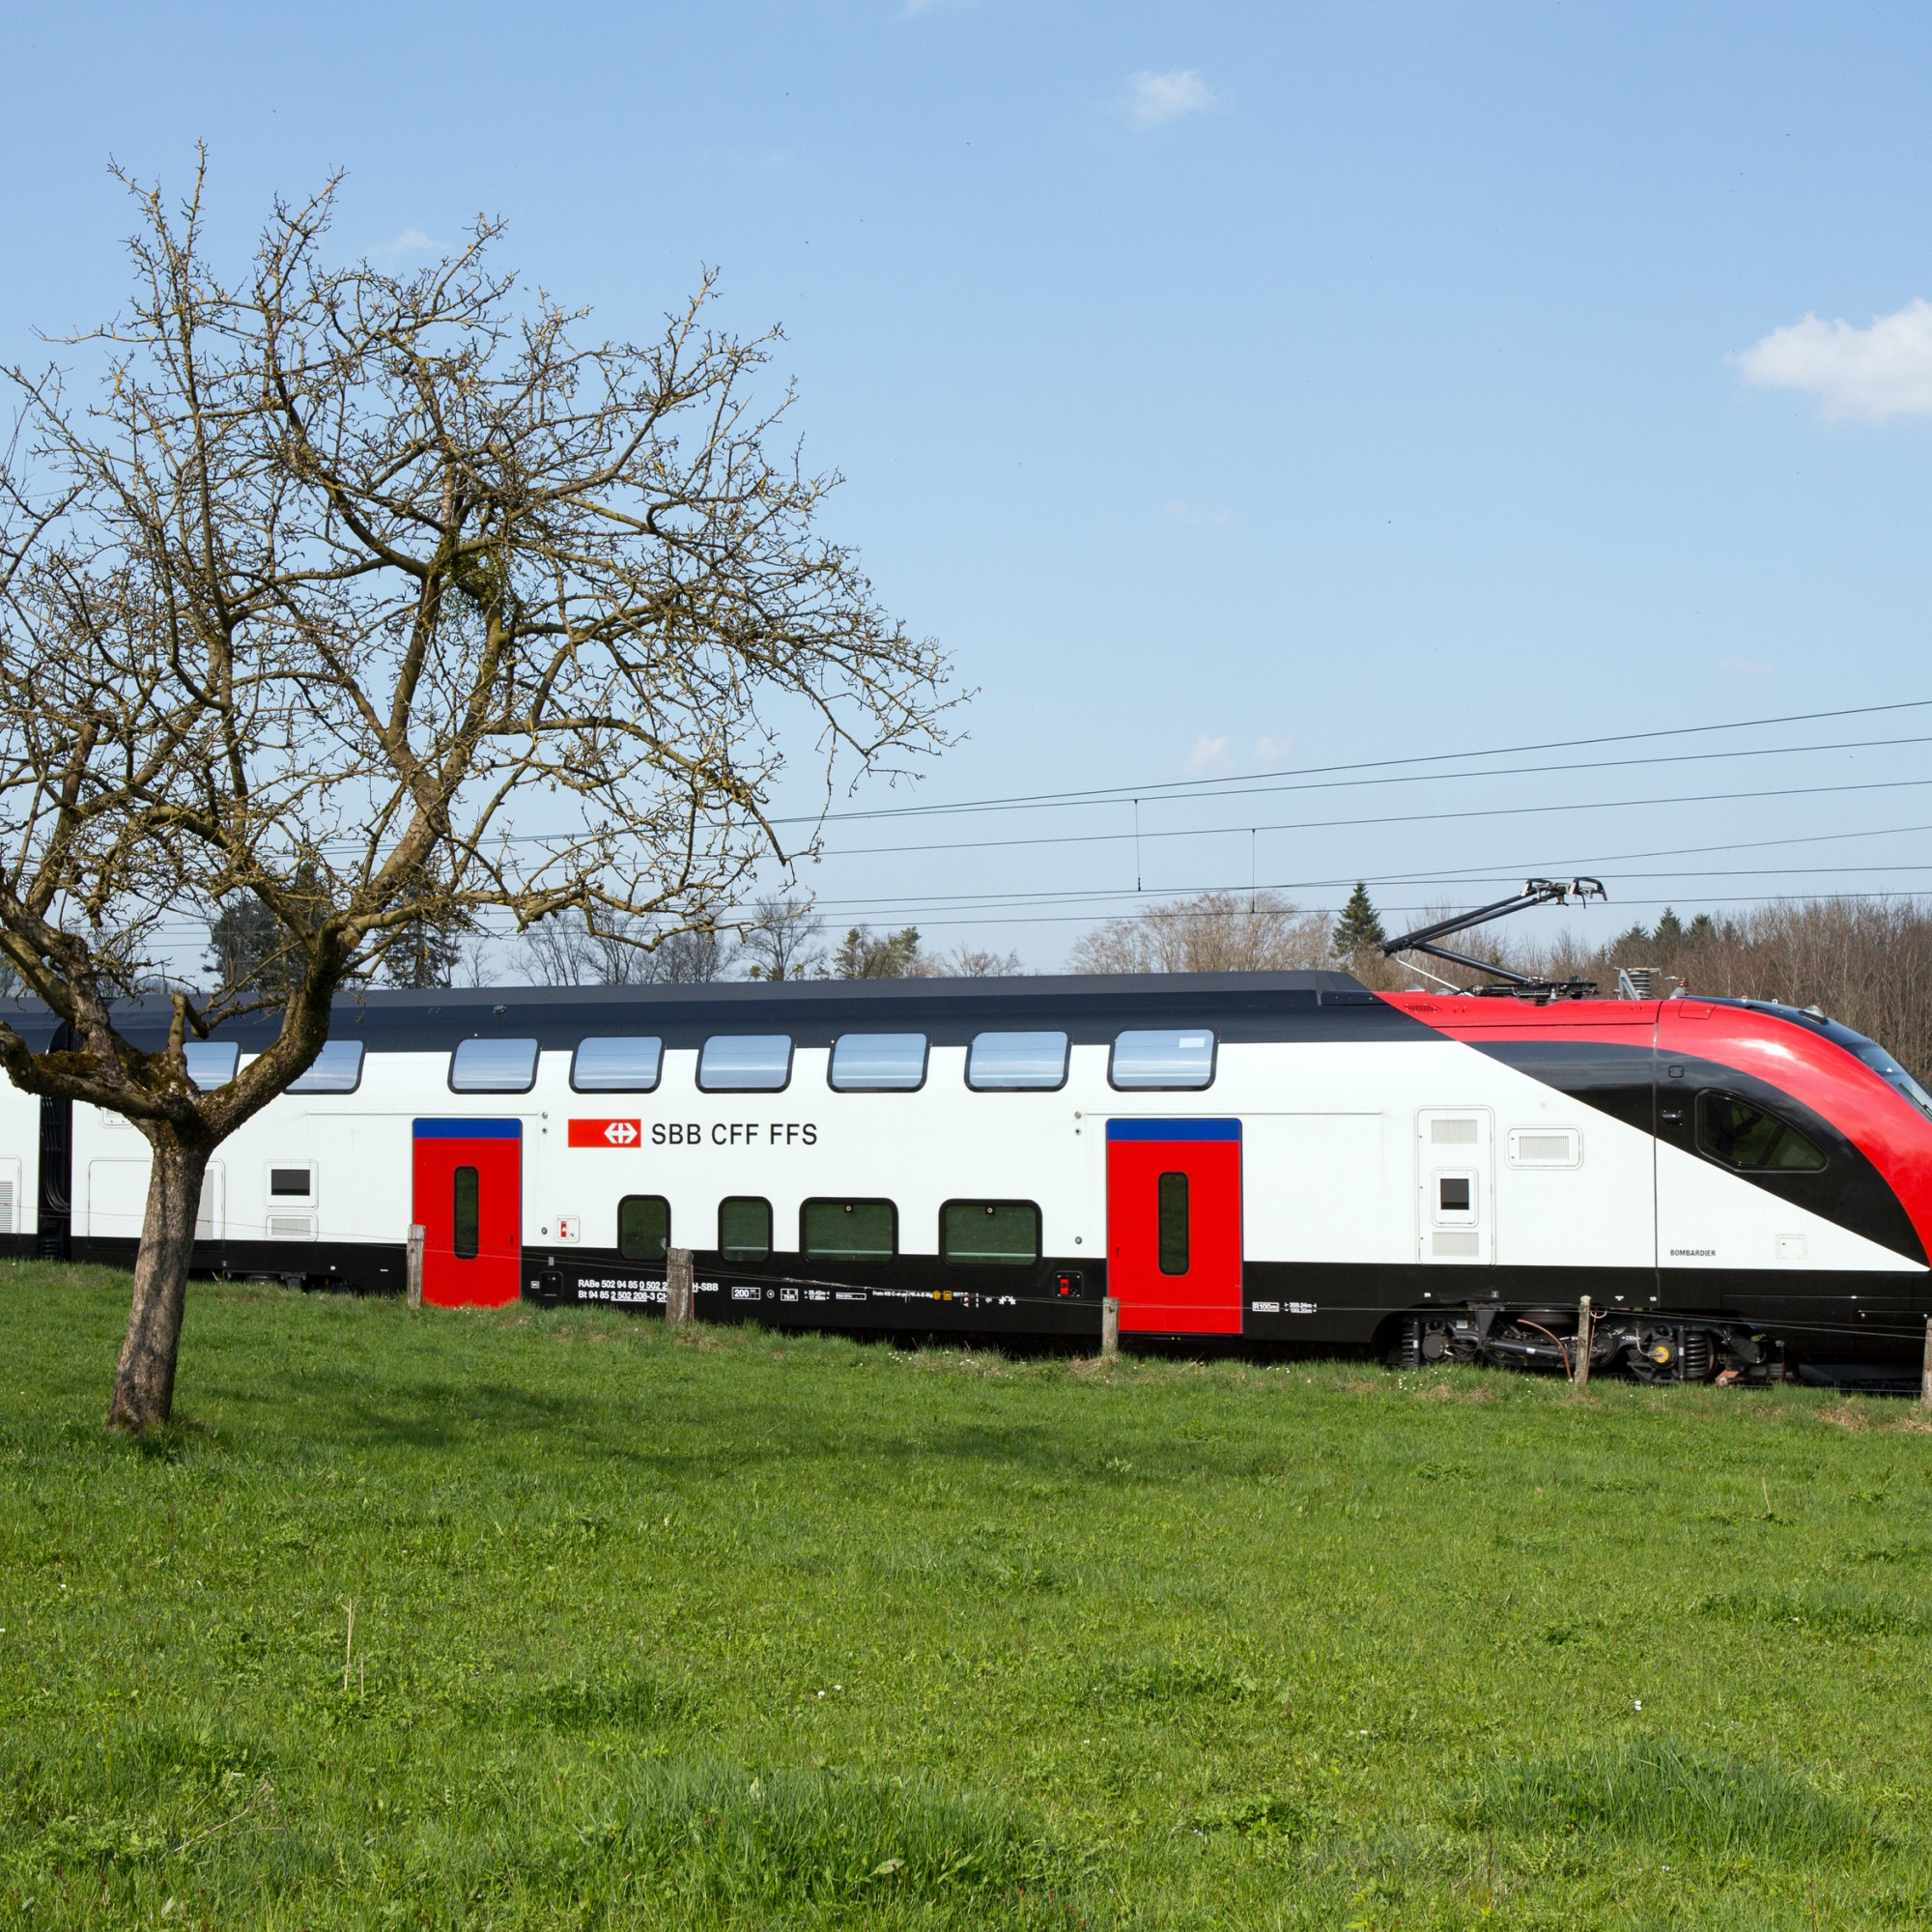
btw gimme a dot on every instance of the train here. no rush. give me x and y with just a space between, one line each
1257 1160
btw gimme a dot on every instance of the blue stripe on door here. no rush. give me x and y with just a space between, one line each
1174 1130
468 1131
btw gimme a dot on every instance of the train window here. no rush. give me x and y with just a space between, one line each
745 1227
211 1062
337 1069
1453 1194
850 1230
1166 1060
643 1227
619 1063
466 1214
1035 1060
292 1183
878 1062
493 1066
1170 1207
745 1063
1743 1135
990 1233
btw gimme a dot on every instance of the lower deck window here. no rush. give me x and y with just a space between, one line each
990 1233
643 1227
745 1227
466 1216
849 1230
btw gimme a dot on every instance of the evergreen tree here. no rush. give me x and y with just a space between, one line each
891 956
1669 935
424 953
1359 929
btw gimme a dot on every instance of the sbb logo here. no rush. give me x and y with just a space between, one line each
605 1134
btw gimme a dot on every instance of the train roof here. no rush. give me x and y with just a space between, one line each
1089 1008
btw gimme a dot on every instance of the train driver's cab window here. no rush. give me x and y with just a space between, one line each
616 1065
337 1069
878 1062
493 1066
211 1062
643 1227
1746 1136
850 1230
745 1063
1162 1060
745 1227
1010 1061
989 1234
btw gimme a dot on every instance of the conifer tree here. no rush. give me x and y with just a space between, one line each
1359 927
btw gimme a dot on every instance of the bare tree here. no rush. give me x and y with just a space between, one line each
1211 932
971 962
781 939
387 599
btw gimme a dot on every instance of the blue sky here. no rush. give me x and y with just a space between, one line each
1229 388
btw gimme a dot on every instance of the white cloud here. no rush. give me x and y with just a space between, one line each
1273 751
410 242
1744 667
1209 759
1153 98
1187 517
1873 373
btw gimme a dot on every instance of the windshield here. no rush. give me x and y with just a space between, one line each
1884 1065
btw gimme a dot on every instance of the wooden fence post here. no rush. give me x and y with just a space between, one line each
1585 1323
1110 1326
412 1271
678 1311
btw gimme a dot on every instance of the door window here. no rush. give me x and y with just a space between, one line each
1170 1197
467 1217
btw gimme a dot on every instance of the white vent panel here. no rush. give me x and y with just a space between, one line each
1546 1147
1452 1133
6 1226
291 1227
1455 1244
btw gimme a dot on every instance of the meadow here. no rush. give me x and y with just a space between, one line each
734 1629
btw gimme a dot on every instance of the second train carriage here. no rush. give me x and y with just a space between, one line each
1279 1159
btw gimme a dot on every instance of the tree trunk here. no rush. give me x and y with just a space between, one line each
144 1384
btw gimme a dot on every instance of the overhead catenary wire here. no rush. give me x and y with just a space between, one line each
1210 786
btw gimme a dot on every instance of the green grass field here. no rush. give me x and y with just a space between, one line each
742 1630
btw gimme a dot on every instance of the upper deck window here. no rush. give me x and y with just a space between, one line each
211 1062
878 1062
1164 1060
745 1063
1035 1061
337 1069
493 1066
616 1064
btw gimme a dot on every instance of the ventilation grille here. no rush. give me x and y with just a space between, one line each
1452 1133
1548 1149
291 1227
1457 1245
6 1208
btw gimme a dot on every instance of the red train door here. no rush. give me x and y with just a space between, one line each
1174 1225
470 1203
